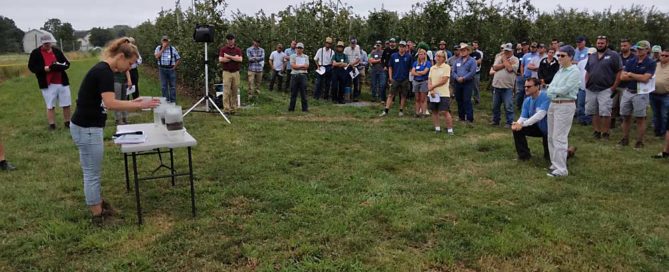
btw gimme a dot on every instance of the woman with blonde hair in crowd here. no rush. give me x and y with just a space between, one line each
96 96
438 86
419 71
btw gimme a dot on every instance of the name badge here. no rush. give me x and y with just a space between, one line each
417 67
397 60
376 56
342 60
458 65
607 57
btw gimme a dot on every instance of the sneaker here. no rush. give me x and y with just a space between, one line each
661 155
554 175
108 210
52 127
437 131
624 142
401 114
6 166
383 114
597 135
451 133
638 145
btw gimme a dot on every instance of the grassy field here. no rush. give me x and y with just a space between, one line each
337 189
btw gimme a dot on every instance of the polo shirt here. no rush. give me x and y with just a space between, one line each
436 73
421 67
602 71
532 105
647 66
230 66
339 57
580 55
661 79
377 55
401 65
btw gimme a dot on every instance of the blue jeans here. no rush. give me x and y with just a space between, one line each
520 91
580 109
323 83
477 87
340 80
379 84
500 96
463 96
356 87
660 106
168 84
298 84
91 151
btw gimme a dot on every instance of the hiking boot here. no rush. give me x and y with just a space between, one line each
108 210
597 135
98 220
624 142
52 127
571 152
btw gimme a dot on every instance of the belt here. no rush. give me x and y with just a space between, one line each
562 101
631 91
419 80
167 66
230 71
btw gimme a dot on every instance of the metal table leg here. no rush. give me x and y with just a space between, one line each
139 206
192 186
172 165
127 176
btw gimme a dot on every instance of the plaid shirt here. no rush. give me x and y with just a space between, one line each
256 58
169 56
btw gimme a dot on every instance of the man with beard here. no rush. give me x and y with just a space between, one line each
602 78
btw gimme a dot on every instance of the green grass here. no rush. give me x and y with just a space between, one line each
337 189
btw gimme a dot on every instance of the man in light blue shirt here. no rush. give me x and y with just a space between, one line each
532 121
463 74
581 52
289 52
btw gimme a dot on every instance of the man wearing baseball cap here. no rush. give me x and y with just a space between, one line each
398 74
502 85
634 100
298 84
323 58
48 63
353 53
168 60
378 73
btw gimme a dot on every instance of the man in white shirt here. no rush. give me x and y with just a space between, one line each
323 59
353 54
278 64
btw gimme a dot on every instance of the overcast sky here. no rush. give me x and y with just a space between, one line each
86 14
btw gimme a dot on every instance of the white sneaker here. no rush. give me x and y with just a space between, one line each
383 114
450 133
401 114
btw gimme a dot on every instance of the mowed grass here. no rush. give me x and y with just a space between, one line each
336 189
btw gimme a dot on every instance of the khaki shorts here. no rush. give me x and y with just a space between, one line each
599 103
633 104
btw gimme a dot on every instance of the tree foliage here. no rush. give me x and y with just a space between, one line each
63 32
100 36
11 36
489 22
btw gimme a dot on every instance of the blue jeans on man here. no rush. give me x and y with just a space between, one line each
499 96
356 87
323 83
582 118
379 79
660 106
168 83
520 91
463 96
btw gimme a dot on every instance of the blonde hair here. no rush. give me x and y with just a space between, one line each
120 46
421 50
440 53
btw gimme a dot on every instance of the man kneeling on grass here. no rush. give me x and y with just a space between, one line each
532 121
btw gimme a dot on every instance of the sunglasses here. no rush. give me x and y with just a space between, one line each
602 37
561 55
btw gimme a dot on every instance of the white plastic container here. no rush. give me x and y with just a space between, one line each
174 123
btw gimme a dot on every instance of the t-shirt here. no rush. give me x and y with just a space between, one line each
90 111
387 53
421 67
230 66
339 58
401 65
277 60
435 75
295 59
52 77
353 54
527 59
504 79
477 55
378 55
602 71
580 54
647 66
661 79
532 105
